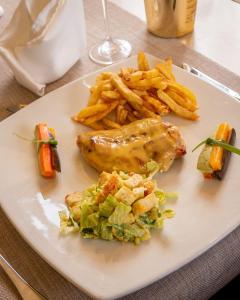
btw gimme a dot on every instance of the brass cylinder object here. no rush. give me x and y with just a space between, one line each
170 18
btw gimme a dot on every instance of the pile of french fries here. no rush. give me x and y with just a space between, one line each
130 95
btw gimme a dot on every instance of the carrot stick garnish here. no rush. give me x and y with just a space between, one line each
44 151
216 156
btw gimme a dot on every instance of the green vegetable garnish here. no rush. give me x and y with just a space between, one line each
224 145
52 141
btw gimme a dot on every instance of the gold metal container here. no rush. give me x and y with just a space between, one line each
170 18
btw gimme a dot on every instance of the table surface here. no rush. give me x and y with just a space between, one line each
209 272
214 20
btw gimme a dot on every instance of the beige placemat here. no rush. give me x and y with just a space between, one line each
197 280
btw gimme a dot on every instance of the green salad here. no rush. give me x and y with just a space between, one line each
120 206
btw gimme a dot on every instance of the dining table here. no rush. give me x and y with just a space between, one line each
214 49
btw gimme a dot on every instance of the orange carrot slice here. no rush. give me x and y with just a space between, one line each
216 155
44 152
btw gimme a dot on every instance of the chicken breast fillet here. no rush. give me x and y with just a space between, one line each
132 146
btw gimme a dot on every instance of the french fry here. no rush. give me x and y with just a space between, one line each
95 94
107 86
179 110
139 75
122 101
131 117
183 101
99 116
136 76
164 70
147 113
159 107
126 72
145 84
130 96
110 124
121 114
140 93
96 126
137 114
148 106
128 107
91 110
168 64
183 91
135 94
110 95
151 74
106 75
142 62
99 78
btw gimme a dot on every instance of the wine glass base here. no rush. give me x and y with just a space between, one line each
110 51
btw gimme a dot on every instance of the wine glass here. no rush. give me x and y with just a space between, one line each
110 50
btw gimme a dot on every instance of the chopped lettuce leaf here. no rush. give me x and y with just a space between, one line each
161 197
123 175
152 168
128 232
171 195
127 214
107 207
67 224
105 230
168 213
120 214
85 212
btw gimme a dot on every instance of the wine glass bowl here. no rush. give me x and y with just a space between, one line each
111 49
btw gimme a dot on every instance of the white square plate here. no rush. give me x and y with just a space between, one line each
206 211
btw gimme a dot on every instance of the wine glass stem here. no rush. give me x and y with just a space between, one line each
106 22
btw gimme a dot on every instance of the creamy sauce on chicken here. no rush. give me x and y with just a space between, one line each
132 146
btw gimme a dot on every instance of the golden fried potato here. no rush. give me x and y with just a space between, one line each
96 92
133 94
110 124
139 75
134 100
146 113
121 114
179 110
162 68
100 115
161 108
131 117
168 64
110 95
151 74
183 91
142 62
107 86
181 100
140 93
126 72
146 84
91 110
96 126
136 76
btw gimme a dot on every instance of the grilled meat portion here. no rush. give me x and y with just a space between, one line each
132 146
